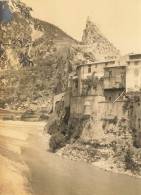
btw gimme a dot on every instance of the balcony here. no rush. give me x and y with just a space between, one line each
112 82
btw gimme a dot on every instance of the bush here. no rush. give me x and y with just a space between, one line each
129 162
27 114
44 117
57 141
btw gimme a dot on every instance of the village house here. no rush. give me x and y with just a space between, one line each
104 99
133 73
94 69
114 81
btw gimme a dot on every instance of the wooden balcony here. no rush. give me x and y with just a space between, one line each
112 82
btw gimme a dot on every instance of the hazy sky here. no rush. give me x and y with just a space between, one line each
119 20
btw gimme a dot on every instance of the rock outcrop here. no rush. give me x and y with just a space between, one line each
93 38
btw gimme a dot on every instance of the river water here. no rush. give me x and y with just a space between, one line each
32 169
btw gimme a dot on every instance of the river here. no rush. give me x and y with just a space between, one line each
27 167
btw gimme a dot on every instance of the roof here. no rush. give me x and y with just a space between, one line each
96 62
133 60
134 54
115 66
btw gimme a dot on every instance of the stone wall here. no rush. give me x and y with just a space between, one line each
78 105
135 122
109 109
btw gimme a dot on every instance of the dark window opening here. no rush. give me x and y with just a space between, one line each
139 125
109 98
89 68
128 63
136 62
110 73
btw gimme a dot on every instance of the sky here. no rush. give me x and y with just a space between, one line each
118 20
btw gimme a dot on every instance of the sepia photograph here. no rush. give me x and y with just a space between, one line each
70 97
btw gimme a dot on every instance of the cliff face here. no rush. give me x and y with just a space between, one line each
36 58
33 59
98 42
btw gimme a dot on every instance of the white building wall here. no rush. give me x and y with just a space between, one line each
133 77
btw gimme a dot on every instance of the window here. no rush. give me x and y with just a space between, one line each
109 98
128 63
89 68
110 73
139 125
136 72
136 62
106 63
136 86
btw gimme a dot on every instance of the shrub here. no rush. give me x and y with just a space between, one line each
57 141
89 83
129 161
44 117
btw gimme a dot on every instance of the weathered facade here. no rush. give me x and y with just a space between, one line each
133 73
80 106
89 70
114 82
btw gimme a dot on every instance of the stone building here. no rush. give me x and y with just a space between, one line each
133 73
114 81
106 99
95 69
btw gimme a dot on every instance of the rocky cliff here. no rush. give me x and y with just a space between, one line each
98 43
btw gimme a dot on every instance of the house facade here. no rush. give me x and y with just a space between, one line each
114 82
95 69
133 73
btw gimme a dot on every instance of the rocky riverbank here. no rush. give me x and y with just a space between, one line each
102 155
110 148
